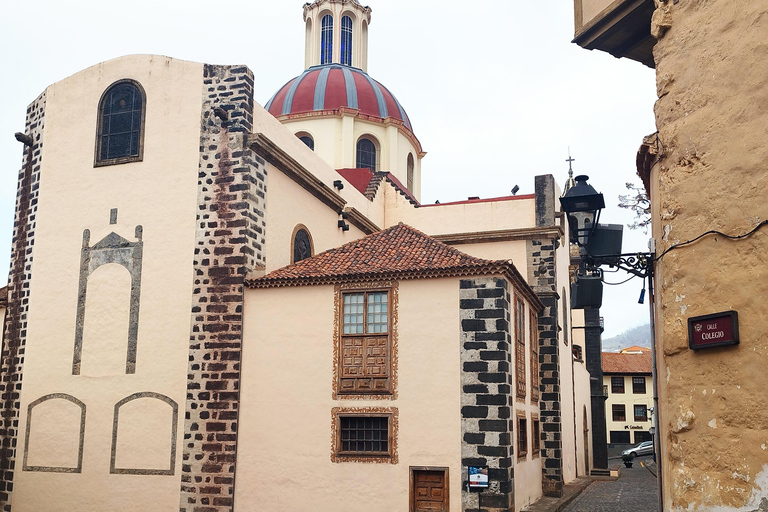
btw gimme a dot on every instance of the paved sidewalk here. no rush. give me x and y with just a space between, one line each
634 491
570 492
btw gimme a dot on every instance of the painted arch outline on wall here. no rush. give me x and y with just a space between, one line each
142 419
57 436
111 249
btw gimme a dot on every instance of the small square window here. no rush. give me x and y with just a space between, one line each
618 412
364 435
617 384
641 413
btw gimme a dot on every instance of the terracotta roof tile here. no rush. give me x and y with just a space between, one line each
399 252
627 363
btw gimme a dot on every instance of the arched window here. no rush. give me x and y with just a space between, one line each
326 40
306 139
410 172
346 41
121 124
302 244
366 154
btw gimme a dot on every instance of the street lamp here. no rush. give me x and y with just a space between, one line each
582 204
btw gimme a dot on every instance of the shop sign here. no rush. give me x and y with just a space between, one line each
715 330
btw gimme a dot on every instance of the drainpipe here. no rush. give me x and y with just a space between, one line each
655 377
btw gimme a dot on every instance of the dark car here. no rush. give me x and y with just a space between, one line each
644 448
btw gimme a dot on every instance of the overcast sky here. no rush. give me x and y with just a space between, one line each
496 95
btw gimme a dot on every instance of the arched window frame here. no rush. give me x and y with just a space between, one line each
410 166
296 230
326 39
346 40
360 153
307 139
136 155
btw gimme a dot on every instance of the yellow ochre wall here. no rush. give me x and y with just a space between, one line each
711 115
284 448
160 194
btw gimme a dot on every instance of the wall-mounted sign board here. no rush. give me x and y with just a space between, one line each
715 330
478 477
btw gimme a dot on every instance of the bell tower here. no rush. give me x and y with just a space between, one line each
336 33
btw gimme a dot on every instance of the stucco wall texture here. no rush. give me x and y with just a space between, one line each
712 116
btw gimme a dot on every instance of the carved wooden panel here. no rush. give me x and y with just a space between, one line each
364 365
535 375
520 346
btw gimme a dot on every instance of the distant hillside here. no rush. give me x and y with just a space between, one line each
640 336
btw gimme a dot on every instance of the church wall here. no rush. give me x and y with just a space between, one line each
283 136
392 146
75 196
289 205
510 250
570 392
469 217
284 452
711 115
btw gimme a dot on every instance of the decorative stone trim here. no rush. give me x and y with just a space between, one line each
15 326
394 288
486 380
229 243
174 428
111 249
390 412
541 273
55 469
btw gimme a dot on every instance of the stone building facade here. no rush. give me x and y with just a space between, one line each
705 173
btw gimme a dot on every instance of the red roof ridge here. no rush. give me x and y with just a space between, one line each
398 252
617 362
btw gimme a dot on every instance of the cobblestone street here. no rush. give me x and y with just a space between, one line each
634 491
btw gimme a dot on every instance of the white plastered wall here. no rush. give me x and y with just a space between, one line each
336 139
281 408
160 194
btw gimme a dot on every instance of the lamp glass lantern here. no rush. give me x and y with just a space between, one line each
582 204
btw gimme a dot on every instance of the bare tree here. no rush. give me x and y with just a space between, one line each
637 201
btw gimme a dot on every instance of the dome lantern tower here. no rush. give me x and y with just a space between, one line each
336 33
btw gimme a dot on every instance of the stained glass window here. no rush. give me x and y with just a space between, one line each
121 114
326 40
346 41
366 154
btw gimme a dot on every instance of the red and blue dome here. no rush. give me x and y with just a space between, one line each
333 86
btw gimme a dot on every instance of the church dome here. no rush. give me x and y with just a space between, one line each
330 87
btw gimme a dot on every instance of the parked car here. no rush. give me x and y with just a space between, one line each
644 448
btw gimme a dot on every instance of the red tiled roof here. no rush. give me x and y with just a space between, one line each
358 178
399 252
627 363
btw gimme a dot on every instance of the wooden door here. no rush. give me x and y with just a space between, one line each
429 490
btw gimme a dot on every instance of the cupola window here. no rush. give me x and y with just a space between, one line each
307 140
410 172
346 41
366 154
326 40
121 124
